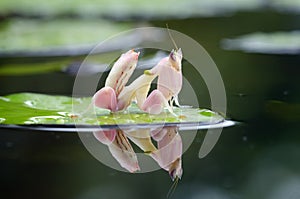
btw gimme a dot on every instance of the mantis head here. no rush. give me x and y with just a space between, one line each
175 58
175 169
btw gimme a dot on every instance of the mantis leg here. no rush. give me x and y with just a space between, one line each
106 98
155 103
175 100
106 136
120 148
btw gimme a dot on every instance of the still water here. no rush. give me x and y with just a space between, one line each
258 158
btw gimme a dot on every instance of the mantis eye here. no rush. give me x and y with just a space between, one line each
173 174
173 55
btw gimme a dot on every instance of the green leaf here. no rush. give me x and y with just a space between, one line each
30 69
270 43
127 8
29 34
31 108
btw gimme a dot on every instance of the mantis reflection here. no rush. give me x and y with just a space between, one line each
163 145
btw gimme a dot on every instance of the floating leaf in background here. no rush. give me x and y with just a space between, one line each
31 69
31 108
29 34
70 65
97 63
269 43
286 5
128 8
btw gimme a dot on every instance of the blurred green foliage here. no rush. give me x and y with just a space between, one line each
275 42
30 34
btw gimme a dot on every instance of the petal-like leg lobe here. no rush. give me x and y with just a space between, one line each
106 98
119 147
154 103
106 136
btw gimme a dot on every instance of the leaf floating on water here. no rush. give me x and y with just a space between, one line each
270 43
129 8
286 5
34 35
32 108
30 69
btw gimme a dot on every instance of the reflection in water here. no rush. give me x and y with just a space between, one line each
163 144
169 152
119 147
165 147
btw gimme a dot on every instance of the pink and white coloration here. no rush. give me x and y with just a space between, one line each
169 152
108 96
119 147
116 96
169 84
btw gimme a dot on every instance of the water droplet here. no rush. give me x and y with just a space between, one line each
29 103
241 94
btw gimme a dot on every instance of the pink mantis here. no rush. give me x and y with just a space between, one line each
167 153
116 96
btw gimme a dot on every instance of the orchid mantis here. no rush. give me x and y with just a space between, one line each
167 153
116 96
169 84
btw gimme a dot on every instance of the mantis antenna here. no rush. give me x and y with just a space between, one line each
172 188
171 37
